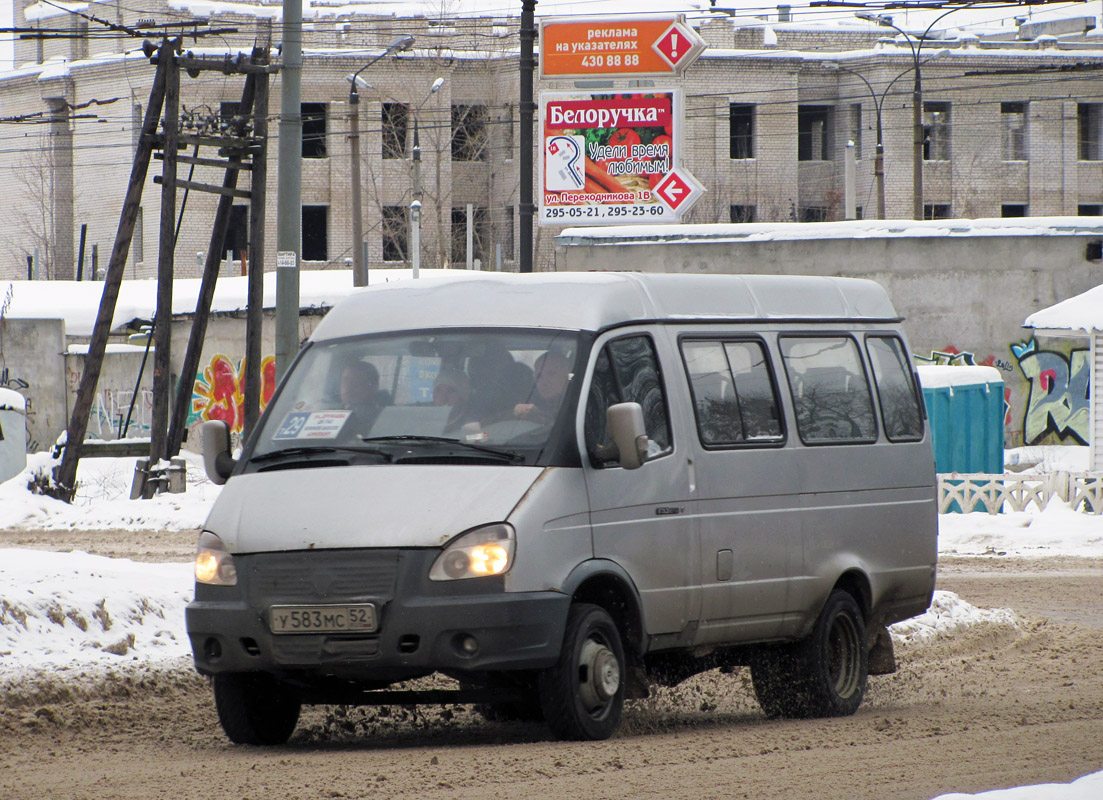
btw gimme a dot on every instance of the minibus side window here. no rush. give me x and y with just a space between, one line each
627 371
831 394
900 412
733 395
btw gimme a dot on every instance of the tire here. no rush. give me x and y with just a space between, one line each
823 675
582 694
253 708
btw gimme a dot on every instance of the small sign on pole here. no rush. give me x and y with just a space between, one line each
656 46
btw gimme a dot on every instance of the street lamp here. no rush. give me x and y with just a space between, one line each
917 99
415 204
359 262
878 104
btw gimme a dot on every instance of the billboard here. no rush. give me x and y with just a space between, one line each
612 158
622 46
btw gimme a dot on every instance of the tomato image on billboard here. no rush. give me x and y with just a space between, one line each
619 146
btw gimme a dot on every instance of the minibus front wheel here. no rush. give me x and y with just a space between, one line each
254 708
582 694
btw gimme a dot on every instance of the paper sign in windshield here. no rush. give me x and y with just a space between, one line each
312 425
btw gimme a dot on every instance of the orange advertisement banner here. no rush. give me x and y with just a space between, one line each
616 46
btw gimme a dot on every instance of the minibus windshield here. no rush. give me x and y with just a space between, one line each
480 394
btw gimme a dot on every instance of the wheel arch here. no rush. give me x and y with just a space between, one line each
606 584
856 583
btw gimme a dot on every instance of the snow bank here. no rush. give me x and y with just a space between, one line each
103 499
948 616
1089 787
76 608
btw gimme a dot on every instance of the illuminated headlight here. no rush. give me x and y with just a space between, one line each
213 564
476 554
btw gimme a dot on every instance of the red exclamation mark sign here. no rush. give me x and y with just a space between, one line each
674 46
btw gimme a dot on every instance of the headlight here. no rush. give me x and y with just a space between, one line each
213 564
481 552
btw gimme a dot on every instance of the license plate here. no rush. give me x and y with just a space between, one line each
358 618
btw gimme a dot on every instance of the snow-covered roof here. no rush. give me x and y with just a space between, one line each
1083 313
11 400
77 302
853 229
939 376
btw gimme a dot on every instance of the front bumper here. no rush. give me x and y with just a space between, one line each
422 623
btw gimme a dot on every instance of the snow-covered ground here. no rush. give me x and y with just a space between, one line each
71 611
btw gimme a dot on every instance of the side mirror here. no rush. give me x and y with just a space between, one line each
214 435
625 424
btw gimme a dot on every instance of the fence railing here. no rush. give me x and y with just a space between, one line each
963 493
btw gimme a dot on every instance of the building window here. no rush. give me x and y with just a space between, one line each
469 134
1090 210
813 133
315 233
937 211
1088 119
741 213
314 130
395 243
741 130
480 234
395 123
1013 117
812 214
1013 210
936 131
506 237
237 233
506 123
137 240
856 128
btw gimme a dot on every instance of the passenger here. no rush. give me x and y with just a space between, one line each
498 383
553 372
451 388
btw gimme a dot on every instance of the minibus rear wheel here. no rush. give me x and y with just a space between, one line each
582 694
254 708
823 675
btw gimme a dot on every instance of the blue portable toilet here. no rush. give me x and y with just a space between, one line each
966 409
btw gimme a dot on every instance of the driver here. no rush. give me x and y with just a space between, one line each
360 393
553 372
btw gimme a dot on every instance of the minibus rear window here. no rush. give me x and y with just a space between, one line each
830 390
900 413
733 392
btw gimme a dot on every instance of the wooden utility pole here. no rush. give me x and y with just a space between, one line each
162 320
66 472
236 147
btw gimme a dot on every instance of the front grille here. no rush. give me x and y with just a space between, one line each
313 576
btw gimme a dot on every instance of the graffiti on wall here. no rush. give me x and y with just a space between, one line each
112 407
1058 399
219 391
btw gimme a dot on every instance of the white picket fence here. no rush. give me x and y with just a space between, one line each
1083 491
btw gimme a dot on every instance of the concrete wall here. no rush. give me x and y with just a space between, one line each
124 391
963 298
32 364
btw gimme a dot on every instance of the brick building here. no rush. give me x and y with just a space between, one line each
1012 125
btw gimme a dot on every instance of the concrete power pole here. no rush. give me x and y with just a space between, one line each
289 186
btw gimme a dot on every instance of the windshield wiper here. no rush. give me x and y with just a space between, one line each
310 451
445 440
